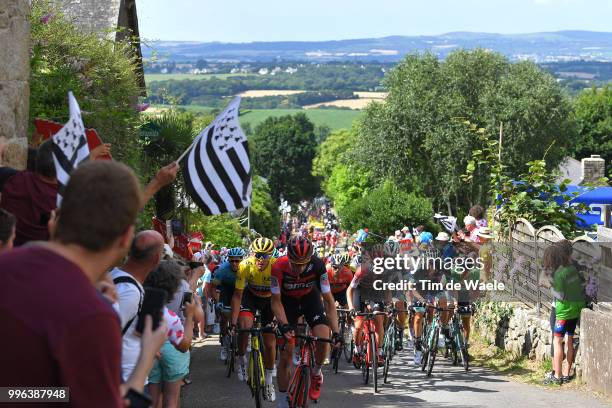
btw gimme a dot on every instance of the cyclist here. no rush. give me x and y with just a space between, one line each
299 281
399 298
363 281
340 277
464 297
254 275
225 280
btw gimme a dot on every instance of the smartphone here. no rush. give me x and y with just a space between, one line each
187 297
153 304
194 265
138 400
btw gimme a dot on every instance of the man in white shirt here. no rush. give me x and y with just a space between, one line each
145 254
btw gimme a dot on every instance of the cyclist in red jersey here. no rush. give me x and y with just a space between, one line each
300 287
340 277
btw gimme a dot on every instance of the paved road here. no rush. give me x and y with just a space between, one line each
447 387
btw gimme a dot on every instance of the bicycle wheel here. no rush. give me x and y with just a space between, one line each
465 357
349 345
388 356
374 354
425 349
305 382
365 364
433 350
231 358
257 389
335 359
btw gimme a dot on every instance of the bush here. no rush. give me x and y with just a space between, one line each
386 209
98 72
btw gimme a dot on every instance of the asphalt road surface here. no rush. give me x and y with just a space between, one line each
448 386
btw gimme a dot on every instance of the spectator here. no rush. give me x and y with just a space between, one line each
7 230
469 234
31 196
79 344
569 299
168 372
485 235
145 254
479 214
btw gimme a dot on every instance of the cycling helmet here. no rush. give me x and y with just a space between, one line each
276 253
340 259
235 253
262 245
299 250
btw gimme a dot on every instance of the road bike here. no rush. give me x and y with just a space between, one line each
458 345
230 343
430 342
300 381
390 341
368 357
345 334
255 374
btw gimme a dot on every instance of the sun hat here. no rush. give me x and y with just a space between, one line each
484 232
442 236
405 229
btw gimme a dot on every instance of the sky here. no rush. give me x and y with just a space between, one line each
318 20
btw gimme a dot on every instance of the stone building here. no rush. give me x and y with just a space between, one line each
115 18
14 79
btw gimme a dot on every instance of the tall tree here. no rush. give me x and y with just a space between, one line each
283 149
417 138
593 110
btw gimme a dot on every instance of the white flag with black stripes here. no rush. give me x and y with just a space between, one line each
449 222
216 169
69 147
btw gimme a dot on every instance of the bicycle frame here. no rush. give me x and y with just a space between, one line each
300 380
256 375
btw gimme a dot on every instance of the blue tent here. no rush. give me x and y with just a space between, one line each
593 197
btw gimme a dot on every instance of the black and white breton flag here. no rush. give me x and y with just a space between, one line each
69 147
449 222
216 169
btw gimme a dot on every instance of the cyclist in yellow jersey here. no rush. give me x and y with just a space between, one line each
252 292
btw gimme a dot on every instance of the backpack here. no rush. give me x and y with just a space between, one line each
128 279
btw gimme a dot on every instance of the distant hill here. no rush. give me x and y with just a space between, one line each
540 47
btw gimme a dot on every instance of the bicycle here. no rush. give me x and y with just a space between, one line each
459 345
300 381
389 345
430 345
368 356
345 334
230 343
256 375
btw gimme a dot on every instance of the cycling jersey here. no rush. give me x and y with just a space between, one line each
289 283
224 275
339 280
257 281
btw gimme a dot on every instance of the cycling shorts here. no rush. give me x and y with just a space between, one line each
251 303
565 326
310 306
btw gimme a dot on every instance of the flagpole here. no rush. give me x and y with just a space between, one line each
249 217
186 151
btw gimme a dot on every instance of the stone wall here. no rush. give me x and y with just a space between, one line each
596 344
525 333
14 80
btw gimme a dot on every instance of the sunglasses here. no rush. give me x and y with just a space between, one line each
262 255
235 260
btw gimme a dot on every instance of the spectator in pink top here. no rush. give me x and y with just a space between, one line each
479 213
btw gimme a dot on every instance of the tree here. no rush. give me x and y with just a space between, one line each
331 152
386 208
98 71
593 109
282 149
416 138
265 217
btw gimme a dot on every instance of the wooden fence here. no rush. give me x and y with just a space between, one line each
518 263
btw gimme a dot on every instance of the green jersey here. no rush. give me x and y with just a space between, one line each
569 293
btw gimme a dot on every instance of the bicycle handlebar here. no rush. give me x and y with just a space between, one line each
313 338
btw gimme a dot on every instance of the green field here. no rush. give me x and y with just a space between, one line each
334 118
167 77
